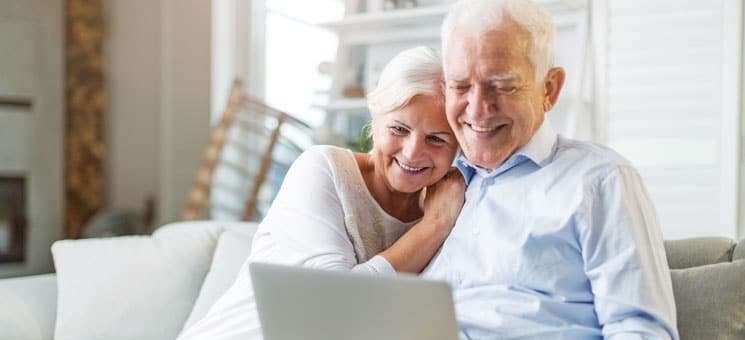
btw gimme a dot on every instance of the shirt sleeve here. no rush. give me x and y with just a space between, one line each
305 224
625 260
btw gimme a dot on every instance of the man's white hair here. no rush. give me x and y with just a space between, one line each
416 71
481 16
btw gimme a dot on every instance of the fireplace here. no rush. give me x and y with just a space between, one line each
12 219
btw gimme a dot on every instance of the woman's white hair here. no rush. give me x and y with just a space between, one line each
413 72
481 16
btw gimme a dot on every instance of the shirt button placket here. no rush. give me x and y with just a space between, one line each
483 186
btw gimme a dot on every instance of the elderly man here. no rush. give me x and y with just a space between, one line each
558 238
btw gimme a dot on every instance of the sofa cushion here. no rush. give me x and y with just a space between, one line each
132 287
28 307
710 301
700 251
232 250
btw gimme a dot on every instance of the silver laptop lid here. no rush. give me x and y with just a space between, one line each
299 303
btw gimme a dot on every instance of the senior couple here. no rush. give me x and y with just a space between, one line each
557 238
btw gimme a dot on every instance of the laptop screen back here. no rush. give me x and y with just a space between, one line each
299 303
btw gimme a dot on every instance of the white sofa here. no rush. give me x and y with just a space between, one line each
131 287
151 287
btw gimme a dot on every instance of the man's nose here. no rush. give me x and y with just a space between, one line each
479 101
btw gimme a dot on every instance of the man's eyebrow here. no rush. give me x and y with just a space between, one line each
455 78
509 75
504 76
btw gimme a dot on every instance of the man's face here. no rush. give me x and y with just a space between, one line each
493 102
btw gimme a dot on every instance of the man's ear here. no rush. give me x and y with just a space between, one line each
552 84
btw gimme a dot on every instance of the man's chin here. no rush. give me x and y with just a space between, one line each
484 157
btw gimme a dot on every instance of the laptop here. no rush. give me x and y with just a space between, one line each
300 303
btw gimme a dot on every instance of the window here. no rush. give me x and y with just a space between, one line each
294 48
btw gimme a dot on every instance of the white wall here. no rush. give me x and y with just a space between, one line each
40 130
185 99
158 60
132 123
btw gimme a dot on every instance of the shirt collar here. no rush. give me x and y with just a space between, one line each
538 150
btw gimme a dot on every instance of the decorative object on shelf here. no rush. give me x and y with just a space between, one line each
12 219
374 6
353 91
407 3
252 147
86 102
389 5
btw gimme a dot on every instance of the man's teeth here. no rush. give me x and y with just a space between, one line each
408 167
483 129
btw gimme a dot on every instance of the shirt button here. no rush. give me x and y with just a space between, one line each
475 231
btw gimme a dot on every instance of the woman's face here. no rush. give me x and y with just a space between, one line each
413 146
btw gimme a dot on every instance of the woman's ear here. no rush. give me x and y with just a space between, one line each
552 84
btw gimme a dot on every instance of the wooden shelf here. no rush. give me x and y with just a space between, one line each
15 101
392 19
388 19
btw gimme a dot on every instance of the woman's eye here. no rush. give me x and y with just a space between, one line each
399 130
436 139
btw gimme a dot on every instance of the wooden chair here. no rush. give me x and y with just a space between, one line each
249 152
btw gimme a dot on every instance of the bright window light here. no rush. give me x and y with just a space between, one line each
295 46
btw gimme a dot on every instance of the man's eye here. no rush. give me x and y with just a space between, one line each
459 88
506 90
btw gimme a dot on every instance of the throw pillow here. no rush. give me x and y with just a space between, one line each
131 287
232 250
711 301
28 306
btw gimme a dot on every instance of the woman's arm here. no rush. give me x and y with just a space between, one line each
305 224
413 251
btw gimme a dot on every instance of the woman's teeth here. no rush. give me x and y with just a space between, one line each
405 167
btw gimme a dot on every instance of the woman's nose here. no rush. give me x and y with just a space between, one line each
413 147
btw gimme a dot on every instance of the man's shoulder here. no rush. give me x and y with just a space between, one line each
584 154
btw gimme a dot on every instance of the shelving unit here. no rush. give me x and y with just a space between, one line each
394 20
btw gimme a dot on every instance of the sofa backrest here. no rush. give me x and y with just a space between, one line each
700 251
707 283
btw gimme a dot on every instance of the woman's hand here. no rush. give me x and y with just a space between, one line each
442 204
444 199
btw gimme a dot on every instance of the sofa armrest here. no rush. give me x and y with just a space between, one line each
29 307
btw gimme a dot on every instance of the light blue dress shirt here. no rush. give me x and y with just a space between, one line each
560 242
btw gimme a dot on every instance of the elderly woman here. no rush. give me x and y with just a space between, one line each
362 212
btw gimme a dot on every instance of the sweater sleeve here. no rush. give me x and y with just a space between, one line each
305 224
